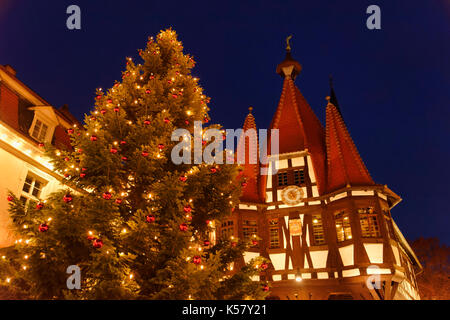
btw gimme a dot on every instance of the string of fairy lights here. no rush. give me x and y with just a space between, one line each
105 103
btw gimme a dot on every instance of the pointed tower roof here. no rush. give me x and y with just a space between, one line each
333 98
248 145
345 166
299 128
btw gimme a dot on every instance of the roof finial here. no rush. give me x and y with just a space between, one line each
288 45
250 109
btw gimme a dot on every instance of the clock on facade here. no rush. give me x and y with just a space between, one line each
292 195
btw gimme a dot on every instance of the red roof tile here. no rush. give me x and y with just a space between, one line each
250 170
345 166
300 129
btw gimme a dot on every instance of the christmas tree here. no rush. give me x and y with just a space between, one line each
137 225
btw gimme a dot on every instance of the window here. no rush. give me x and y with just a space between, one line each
317 226
282 179
343 228
274 236
299 176
370 227
39 130
250 228
227 229
31 190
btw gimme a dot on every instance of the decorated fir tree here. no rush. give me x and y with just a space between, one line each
137 224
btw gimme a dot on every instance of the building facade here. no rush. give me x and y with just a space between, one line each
318 216
27 123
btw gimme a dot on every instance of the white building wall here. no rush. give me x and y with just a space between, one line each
14 171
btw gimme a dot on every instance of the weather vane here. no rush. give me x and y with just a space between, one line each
288 46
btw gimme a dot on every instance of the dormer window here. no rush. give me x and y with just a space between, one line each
39 131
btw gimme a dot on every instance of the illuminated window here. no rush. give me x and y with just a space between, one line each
274 236
299 176
370 227
282 179
317 226
39 131
227 229
343 228
250 228
31 189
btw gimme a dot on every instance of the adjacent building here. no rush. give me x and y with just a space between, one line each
27 122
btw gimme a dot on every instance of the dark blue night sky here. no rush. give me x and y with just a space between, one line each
392 84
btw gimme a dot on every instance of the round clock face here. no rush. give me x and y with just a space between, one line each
292 195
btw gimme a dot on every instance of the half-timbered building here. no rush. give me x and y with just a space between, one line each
318 216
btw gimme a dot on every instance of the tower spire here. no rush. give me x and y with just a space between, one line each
249 147
345 165
289 67
333 98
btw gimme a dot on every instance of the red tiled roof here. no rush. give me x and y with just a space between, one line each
300 129
345 166
250 172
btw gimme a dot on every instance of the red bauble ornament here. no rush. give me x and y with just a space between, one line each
264 266
197 260
79 150
67 198
66 175
186 121
254 242
183 227
213 170
103 111
113 150
187 209
166 120
174 96
147 122
204 142
93 138
150 218
160 146
119 201
82 175
10 198
70 131
244 184
145 153
41 145
116 109
109 100
123 142
169 81
205 120
206 243
99 97
107 195
265 288
183 178
124 158
43 227
83 169
90 238
97 243
148 91
152 77
40 205
66 159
